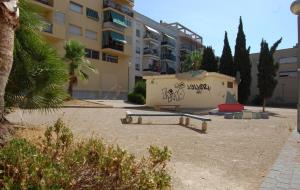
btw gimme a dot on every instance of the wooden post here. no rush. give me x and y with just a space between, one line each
140 120
187 121
204 126
181 120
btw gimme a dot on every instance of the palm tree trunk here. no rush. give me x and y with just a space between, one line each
71 81
6 59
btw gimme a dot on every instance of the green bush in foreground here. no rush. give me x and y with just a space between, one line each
62 164
136 98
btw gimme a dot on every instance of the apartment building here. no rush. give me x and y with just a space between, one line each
104 28
187 41
286 91
154 47
160 48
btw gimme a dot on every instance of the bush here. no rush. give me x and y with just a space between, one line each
62 164
136 98
140 88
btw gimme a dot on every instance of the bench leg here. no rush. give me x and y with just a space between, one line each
140 120
128 119
204 126
187 121
181 121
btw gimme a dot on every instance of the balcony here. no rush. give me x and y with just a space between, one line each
152 68
48 28
120 8
151 37
114 45
148 52
186 49
168 44
168 57
111 25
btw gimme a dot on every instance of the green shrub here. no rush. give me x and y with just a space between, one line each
140 88
62 164
136 98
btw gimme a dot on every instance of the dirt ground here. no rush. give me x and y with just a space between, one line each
233 155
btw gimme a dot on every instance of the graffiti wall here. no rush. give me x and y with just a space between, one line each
204 92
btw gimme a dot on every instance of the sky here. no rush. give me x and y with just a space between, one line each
262 19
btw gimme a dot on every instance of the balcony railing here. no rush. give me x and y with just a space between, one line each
48 28
148 51
154 67
109 24
169 57
114 45
151 36
121 8
168 43
46 2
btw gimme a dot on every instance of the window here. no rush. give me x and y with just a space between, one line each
138 33
90 34
76 7
109 58
75 30
128 22
90 13
288 60
138 50
229 84
137 67
92 54
288 74
60 17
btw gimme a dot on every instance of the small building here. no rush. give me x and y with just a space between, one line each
286 91
195 89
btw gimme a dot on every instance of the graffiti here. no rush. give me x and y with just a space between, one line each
177 93
199 88
174 95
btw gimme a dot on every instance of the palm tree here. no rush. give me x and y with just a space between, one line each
9 20
78 64
192 61
38 75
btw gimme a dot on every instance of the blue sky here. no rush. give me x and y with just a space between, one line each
268 19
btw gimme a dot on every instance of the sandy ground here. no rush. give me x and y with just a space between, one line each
233 155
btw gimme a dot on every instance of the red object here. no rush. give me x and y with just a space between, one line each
231 107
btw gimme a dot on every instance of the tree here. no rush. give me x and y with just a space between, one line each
242 65
38 74
78 64
192 62
9 19
226 61
267 71
209 61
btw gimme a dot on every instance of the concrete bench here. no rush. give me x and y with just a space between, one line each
130 115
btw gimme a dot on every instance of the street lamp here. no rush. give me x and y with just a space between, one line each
295 8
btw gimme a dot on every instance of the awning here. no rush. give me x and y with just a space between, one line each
118 19
170 37
151 29
118 37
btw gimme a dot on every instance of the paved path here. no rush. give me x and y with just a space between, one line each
285 174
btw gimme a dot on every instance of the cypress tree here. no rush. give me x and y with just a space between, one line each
226 61
267 71
242 65
209 62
